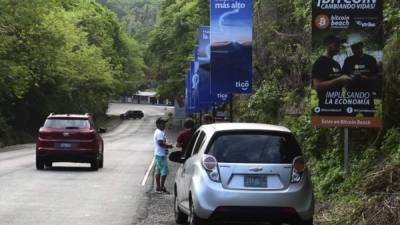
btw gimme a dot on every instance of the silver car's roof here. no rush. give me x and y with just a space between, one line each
216 127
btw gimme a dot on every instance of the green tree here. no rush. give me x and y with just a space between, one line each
138 16
60 56
172 43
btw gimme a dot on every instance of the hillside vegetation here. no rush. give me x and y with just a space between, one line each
136 16
73 56
66 56
282 72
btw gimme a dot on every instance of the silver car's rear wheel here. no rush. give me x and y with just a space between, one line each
305 222
180 217
275 223
194 219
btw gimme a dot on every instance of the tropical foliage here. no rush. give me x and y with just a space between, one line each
60 56
282 73
172 42
137 16
72 56
282 61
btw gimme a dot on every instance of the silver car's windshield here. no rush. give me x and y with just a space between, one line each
254 148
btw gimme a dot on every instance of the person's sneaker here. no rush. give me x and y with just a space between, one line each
164 190
159 190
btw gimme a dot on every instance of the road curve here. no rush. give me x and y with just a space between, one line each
70 194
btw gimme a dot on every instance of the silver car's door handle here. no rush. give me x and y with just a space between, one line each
183 170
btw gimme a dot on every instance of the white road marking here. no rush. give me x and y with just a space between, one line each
146 176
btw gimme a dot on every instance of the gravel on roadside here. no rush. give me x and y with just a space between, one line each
159 208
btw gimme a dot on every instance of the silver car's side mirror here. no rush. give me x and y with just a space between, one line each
176 157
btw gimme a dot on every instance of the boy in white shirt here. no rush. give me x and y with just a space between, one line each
160 154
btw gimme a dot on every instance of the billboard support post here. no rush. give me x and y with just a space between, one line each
231 107
346 150
214 112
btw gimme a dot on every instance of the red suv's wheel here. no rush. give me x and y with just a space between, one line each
94 164
101 162
39 163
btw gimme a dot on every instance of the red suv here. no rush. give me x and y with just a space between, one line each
69 138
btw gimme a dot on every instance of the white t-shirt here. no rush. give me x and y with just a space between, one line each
159 135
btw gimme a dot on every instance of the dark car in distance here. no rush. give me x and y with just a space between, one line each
69 138
134 114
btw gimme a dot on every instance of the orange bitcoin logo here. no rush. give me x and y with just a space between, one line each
322 21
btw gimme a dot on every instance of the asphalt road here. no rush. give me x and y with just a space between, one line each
71 194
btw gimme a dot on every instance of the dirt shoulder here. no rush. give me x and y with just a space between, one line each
159 207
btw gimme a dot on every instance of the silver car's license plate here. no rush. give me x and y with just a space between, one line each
255 181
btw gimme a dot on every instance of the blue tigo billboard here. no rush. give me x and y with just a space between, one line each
205 96
231 46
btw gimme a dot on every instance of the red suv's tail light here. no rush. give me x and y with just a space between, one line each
299 166
44 134
87 135
210 164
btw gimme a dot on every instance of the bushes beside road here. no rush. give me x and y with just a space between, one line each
63 57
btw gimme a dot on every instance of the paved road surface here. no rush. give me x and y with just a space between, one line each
71 194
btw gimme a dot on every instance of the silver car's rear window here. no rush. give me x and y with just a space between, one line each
254 148
67 123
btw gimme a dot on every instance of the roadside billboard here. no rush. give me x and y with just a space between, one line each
201 97
204 55
231 46
192 90
187 93
347 67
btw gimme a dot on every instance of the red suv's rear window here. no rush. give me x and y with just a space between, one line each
67 123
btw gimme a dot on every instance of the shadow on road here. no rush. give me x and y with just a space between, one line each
69 169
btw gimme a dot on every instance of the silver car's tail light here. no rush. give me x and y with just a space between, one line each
299 166
210 164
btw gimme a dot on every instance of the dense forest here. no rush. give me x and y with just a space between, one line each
75 55
136 16
67 56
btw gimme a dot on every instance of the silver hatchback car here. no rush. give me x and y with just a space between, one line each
243 172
